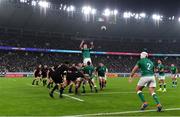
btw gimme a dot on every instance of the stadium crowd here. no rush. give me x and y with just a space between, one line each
16 61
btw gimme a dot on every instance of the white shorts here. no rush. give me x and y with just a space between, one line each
86 60
148 81
100 77
161 77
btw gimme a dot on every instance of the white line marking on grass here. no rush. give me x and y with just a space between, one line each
106 93
63 94
125 112
71 97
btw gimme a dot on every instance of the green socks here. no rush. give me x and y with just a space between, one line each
155 97
141 96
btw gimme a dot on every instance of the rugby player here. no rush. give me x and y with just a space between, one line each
50 81
147 79
101 73
44 74
86 51
174 72
89 76
37 75
161 77
57 77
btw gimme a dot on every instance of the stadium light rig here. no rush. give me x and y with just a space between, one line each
70 8
127 15
107 12
115 12
142 15
23 1
179 19
44 4
157 17
33 3
86 10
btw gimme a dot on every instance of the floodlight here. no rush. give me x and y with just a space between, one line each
43 4
107 12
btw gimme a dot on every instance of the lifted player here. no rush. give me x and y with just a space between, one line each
37 75
147 79
161 77
174 72
57 77
101 72
86 52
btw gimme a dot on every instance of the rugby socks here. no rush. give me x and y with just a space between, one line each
36 82
70 88
155 97
33 81
141 96
175 82
61 91
160 85
164 85
83 87
48 86
55 87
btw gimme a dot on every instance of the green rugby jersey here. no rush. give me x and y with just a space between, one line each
173 69
161 67
101 71
146 66
86 53
88 70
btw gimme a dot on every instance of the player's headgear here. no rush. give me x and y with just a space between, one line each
144 55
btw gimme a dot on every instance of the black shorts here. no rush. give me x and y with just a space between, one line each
71 77
57 80
37 75
79 75
44 76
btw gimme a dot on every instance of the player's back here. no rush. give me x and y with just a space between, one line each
146 66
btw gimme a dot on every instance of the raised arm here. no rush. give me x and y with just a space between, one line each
81 45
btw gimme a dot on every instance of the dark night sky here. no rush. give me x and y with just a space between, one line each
167 7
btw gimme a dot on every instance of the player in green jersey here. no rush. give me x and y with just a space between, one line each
174 72
161 77
147 79
86 51
101 72
89 76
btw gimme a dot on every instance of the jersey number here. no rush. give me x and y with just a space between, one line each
148 66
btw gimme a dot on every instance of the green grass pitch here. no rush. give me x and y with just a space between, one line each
19 98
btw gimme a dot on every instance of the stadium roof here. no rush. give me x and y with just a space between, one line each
30 17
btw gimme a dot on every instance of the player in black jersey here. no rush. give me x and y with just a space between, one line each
50 81
71 77
44 74
37 75
57 77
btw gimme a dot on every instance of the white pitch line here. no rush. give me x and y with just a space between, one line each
72 97
63 94
106 93
125 112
